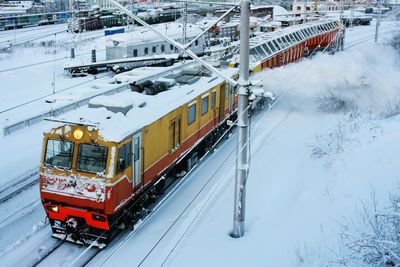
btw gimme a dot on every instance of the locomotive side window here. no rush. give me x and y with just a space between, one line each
91 158
59 153
135 52
213 99
154 49
175 133
204 105
146 50
191 113
162 48
124 158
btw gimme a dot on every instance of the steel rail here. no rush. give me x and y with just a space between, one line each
18 185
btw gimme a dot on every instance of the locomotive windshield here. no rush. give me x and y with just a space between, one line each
59 153
91 158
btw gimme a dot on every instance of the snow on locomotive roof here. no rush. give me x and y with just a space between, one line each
142 35
117 126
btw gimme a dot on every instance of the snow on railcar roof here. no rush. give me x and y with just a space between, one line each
257 40
115 126
142 35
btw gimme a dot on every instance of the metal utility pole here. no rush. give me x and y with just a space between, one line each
242 159
184 24
73 22
378 21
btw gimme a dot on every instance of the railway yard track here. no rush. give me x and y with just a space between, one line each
17 185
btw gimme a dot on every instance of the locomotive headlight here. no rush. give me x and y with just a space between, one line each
78 134
52 208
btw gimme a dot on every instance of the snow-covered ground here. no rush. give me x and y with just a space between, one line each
311 167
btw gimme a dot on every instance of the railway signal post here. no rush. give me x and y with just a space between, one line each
242 159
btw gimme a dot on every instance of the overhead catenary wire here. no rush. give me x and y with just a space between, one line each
47 95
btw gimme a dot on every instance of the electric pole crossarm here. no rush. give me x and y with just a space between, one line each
174 43
209 27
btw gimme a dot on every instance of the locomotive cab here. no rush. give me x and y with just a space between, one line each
77 168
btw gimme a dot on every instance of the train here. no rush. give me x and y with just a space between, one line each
29 20
88 20
103 18
104 164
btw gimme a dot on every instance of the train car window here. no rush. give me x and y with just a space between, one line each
146 50
213 99
162 48
91 158
171 47
260 51
204 105
276 44
281 42
313 30
266 49
272 47
124 158
191 113
175 133
154 49
300 35
287 40
135 52
255 54
59 153
292 39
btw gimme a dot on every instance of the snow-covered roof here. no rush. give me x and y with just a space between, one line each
146 109
143 35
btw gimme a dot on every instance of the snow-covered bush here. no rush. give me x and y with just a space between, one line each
333 103
392 108
395 42
337 139
375 241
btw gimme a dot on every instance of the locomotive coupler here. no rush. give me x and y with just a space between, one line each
73 227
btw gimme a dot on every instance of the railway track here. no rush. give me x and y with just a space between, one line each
19 184
61 253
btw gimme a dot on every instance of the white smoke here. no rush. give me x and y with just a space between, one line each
368 77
